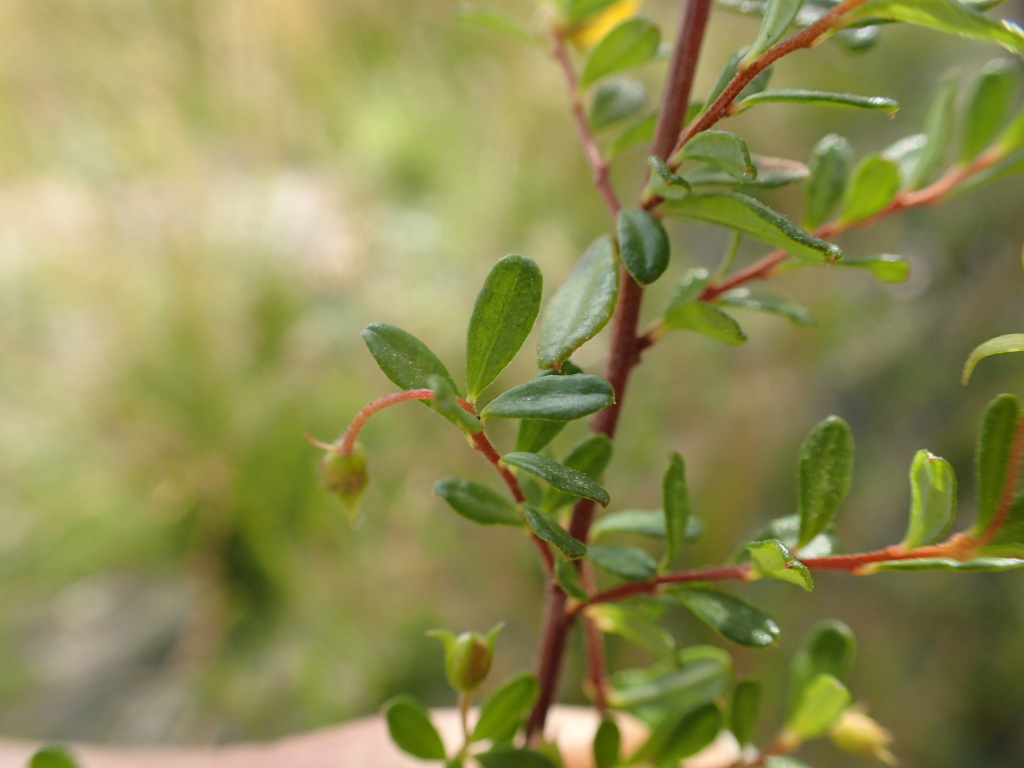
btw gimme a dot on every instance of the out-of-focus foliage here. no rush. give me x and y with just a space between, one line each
201 202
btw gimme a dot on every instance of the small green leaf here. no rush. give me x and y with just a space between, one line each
52 757
643 522
949 16
699 676
568 578
976 565
643 244
581 306
1009 539
776 18
503 316
745 709
745 298
689 288
988 107
819 99
411 729
823 700
550 531
616 99
730 617
675 500
721 149
831 164
932 500
641 132
885 267
503 711
633 626
444 402
404 359
632 43
630 563
558 475
534 434
787 530
477 502
510 757
906 153
751 217
685 736
771 172
552 398
1011 342
874 184
668 178
770 558
704 318
825 474
607 743
829 648
992 456
1012 137
938 128
590 456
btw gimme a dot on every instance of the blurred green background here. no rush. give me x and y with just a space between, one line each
201 203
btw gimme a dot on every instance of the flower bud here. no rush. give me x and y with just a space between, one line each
345 476
467 658
859 734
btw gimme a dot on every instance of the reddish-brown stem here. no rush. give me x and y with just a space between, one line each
348 440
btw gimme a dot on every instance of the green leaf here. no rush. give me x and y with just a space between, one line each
509 757
885 267
552 398
752 217
787 530
590 456
668 178
444 402
988 107
551 532
404 359
633 626
730 617
906 153
503 711
685 736
938 128
949 16
568 578
632 43
503 316
745 709
616 99
823 700
1011 342
874 184
643 522
488 17
932 500
729 71
411 729
701 674
675 500
825 473
477 502
643 244
581 306
52 757
607 743
630 563
534 434
776 18
1009 539
1012 137
558 475
770 558
992 456
831 164
745 298
976 565
818 99
771 172
829 648
689 288
704 318
641 132
721 149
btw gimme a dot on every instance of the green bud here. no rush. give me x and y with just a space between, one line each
345 476
859 734
467 657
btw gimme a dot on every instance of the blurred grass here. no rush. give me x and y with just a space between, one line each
200 206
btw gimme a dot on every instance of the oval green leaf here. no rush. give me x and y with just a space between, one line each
568 578
616 99
52 757
701 675
444 402
989 106
675 500
874 184
558 475
687 735
590 456
632 43
819 99
730 617
751 217
630 563
745 298
534 434
503 316
977 565
1011 342
787 530
829 648
831 163
552 398
886 267
411 729
770 172
723 150
777 15
509 757
581 306
403 358
704 318
822 702
643 244
503 711
607 744
744 709
992 456
932 499
938 130
825 473
551 532
770 558
477 502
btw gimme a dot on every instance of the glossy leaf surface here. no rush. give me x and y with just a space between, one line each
558 475
581 306
477 502
825 473
503 316
504 709
819 99
616 99
410 728
745 298
1011 342
770 558
590 456
874 183
932 500
552 398
731 617
643 244
632 43
723 150
630 563
551 532
831 164
992 456
403 358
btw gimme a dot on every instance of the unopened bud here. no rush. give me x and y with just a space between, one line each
345 476
467 658
859 734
